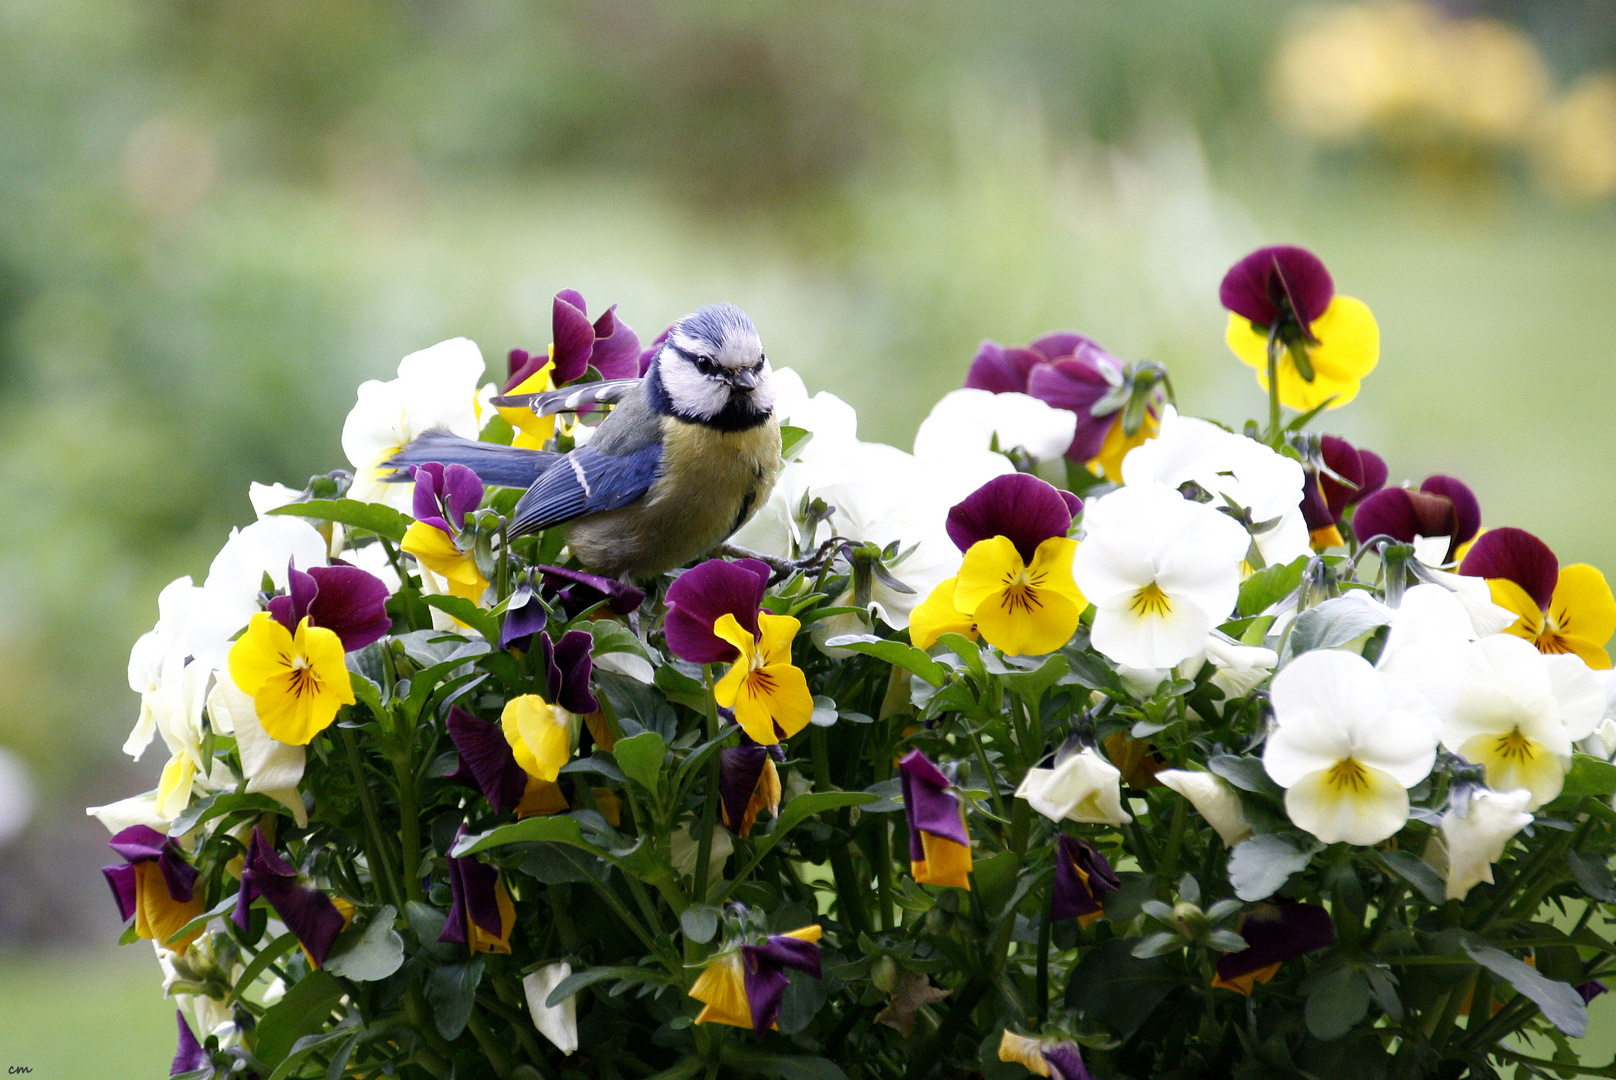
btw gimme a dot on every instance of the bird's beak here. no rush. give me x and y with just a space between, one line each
743 379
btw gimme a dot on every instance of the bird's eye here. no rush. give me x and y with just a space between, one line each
705 365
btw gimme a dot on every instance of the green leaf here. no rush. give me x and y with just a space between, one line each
642 758
560 829
793 441
613 637
373 955
306 1008
1589 776
1336 622
1116 988
699 922
451 990
1259 867
901 653
1269 586
469 613
783 1067
1414 870
1245 773
1593 876
266 956
793 814
578 980
1561 1005
378 518
968 651
1337 1002
1031 685
205 810
202 920
308 1043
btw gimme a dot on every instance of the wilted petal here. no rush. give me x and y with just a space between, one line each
306 911
1082 787
928 803
1215 799
1082 878
558 1023
524 616
765 976
1477 837
189 1056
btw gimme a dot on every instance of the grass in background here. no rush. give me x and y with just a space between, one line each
85 1016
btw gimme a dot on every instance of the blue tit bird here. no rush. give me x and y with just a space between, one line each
687 455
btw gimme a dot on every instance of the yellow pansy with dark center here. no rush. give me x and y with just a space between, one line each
1024 609
768 692
1558 609
297 681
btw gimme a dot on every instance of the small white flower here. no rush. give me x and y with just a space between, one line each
1348 744
267 497
976 420
229 596
558 1023
1486 617
1247 473
1082 787
1161 571
1216 800
1240 669
435 388
1517 712
1476 836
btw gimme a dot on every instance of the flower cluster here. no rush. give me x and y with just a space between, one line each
1089 738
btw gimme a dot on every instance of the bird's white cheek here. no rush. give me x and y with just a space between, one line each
693 393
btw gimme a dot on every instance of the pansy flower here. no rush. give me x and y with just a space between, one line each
1072 372
189 1056
1442 509
939 846
1475 831
1341 477
714 617
297 678
1282 297
306 911
579 590
481 914
745 987
1082 879
1347 744
1560 609
748 783
540 735
607 345
1162 571
1082 787
346 600
155 886
443 497
1274 933
1015 586
1054 1058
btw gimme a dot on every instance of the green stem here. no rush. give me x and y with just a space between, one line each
437 1053
497 1055
1175 840
375 853
883 869
988 778
1045 933
709 809
409 829
1276 435
1556 1067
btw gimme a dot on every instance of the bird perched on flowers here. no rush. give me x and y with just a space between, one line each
687 455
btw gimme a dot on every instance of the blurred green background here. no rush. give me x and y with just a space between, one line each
217 218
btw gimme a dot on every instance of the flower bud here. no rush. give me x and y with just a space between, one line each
884 974
1192 921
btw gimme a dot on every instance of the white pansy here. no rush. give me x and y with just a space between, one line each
1426 639
271 767
135 810
1516 713
1214 798
267 497
1230 467
1082 787
1161 571
176 605
229 596
1347 745
1239 669
558 1023
1476 835
436 388
975 420
176 707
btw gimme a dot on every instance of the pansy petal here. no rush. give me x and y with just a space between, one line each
351 604
1362 809
1019 506
1517 555
1258 284
487 757
1466 510
1583 607
937 615
573 336
999 370
701 595
1276 932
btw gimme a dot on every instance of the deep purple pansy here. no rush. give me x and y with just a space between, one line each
1065 370
306 911
1517 555
579 590
742 770
1017 505
567 667
1275 282
486 760
189 1056
475 905
525 616
1276 932
1325 499
607 344
1441 506
1590 990
1065 1062
700 596
445 494
928 803
766 977
142 844
1082 878
341 598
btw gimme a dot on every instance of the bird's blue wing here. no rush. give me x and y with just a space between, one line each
507 466
586 481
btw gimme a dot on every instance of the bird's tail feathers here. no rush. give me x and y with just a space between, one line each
570 399
506 466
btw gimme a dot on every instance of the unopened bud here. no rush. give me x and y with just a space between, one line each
938 921
884 974
1192 921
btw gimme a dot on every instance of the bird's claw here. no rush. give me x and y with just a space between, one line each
784 568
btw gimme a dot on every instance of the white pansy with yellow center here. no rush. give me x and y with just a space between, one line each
1161 571
436 388
1347 745
1476 834
1516 712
